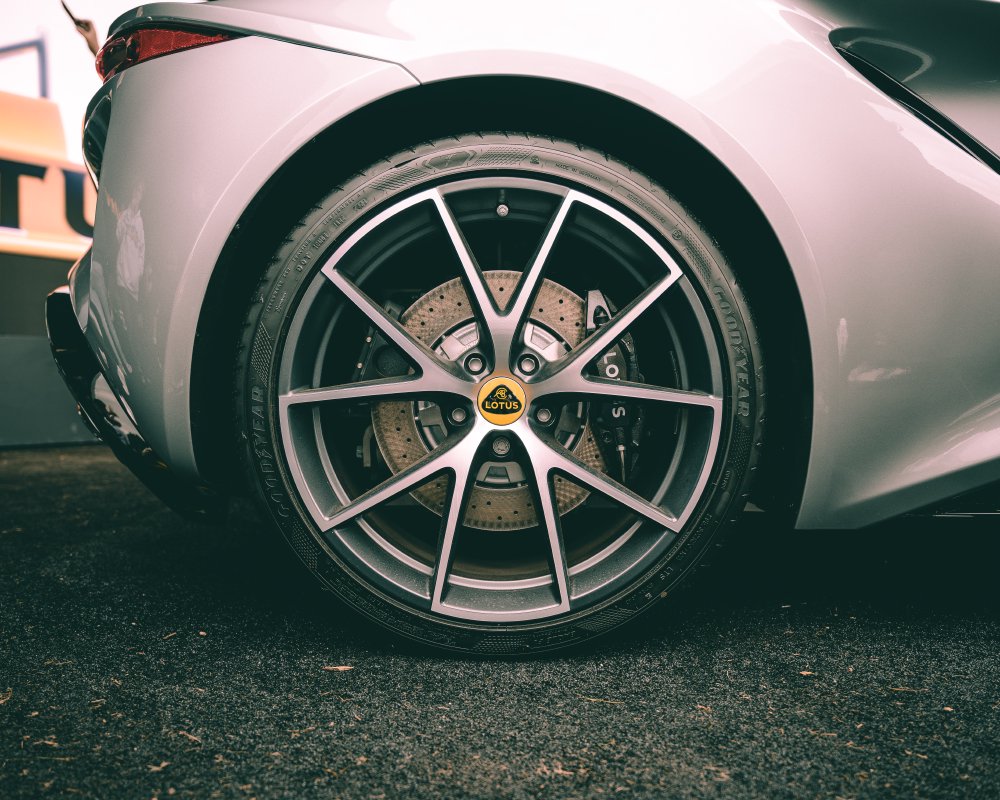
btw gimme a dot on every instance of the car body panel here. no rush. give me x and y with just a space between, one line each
944 51
891 230
183 171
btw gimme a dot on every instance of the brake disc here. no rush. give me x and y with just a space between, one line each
501 499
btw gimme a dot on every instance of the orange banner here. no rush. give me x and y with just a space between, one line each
46 202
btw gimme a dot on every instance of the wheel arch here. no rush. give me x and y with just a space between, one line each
602 120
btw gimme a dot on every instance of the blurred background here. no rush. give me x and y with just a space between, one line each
47 199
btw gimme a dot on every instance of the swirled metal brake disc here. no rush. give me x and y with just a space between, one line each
500 500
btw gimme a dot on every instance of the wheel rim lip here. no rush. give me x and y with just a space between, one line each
626 578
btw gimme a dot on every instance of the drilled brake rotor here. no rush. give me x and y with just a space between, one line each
429 319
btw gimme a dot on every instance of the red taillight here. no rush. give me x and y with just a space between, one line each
129 49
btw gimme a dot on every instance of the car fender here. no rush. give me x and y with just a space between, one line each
182 172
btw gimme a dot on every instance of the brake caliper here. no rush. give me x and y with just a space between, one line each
617 423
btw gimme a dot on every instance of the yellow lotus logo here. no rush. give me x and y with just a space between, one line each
501 401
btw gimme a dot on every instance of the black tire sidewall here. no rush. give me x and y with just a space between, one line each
309 244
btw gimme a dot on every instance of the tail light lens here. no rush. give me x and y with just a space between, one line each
128 49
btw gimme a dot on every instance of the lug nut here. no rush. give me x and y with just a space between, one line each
459 415
503 210
544 416
501 446
528 364
475 364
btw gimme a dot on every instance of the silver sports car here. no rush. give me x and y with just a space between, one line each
504 313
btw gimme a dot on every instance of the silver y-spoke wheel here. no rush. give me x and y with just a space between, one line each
500 397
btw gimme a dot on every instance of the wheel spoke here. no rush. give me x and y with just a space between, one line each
519 308
502 328
563 383
549 517
453 454
420 472
560 460
475 283
604 337
362 390
429 364
450 520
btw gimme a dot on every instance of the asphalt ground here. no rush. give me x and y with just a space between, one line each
143 656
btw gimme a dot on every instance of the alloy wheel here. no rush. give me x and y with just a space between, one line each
422 379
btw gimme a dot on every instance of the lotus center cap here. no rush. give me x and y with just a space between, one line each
501 401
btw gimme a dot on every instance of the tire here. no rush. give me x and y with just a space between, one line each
375 284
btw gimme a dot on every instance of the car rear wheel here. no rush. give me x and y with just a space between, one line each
500 393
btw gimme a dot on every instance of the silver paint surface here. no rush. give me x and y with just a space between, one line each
892 232
178 174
